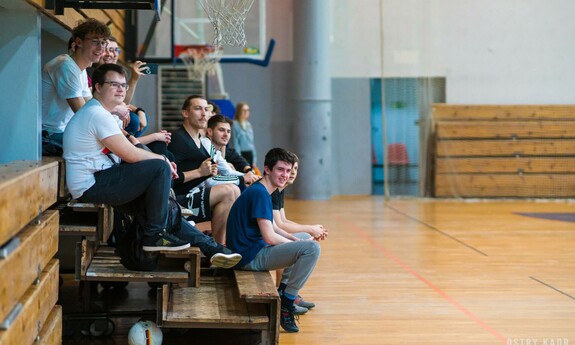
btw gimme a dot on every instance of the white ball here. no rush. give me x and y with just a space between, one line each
145 333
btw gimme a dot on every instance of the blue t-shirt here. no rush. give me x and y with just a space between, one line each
243 234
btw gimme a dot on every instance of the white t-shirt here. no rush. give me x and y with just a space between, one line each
62 79
83 149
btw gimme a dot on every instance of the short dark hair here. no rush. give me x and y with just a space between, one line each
295 158
91 25
278 154
215 109
189 100
99 74
214 120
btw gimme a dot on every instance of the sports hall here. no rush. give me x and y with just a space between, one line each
436 142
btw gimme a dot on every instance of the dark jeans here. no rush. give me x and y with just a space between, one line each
140 188
196 238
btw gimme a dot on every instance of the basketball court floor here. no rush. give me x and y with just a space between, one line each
430 271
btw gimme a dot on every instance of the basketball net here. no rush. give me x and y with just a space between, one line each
201 60
228 17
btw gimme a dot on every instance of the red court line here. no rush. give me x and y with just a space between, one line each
410 270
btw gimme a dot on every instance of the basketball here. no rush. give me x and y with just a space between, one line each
145 333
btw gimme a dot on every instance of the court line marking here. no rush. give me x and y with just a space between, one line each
551 287
411 271
436 229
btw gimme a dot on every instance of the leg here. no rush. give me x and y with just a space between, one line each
140 188
221 199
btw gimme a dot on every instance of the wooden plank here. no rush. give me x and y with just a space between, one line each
503 185
88 250
117 17
506 130
215 304
501 112
51 333
525 147
62 188
37 303
38 245
106 266
27 188
256 286
505 165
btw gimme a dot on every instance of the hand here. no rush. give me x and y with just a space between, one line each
174 170
250 177
207 168
137 68
318 232
164 136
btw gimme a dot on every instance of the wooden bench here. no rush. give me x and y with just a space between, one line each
100 263
504 151
28 243
239 300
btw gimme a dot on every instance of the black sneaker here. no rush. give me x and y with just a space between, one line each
288 319
164 241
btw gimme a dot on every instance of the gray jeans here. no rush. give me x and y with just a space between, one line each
297 258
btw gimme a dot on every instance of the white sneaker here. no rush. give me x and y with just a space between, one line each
222 260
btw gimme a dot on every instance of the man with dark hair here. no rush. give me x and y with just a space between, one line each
219 132
65 82
103 166
252 234
195 165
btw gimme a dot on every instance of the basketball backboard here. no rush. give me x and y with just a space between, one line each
184 23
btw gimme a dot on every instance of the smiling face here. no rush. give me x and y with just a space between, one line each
91 48
112 91
220 134
111 53
279 174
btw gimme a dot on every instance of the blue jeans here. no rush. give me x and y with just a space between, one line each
298 258
134 125
140 188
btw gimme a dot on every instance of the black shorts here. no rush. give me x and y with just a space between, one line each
198 201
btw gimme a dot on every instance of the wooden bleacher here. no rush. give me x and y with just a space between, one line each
504 151
234 299
28 243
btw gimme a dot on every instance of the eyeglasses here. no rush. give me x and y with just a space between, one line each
116 85
97 42
114 50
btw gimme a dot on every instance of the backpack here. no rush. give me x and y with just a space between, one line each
131 253
129 242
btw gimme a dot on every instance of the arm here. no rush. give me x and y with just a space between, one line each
76 103
317 231
269 235
205 169
162 135
133 82
284 233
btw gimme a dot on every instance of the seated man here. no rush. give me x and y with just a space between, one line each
316 231
102 166
65 82
195 166
251 233
219 133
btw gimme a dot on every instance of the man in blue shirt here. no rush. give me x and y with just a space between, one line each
251 233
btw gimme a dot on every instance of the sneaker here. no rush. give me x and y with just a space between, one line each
164 241
222 260
299 310
288 319
300 302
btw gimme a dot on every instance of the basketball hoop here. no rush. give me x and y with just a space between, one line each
200 60
228 17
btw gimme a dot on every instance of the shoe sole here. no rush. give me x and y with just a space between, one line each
160 248
225 260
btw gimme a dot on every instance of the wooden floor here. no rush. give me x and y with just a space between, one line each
420 271
439 272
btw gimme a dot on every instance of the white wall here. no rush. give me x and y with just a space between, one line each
490 51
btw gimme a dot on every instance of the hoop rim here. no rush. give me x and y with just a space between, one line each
179 49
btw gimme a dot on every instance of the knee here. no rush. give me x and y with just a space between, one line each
231 192
313 248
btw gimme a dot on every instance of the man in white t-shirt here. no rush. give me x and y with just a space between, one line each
104 166
65 82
